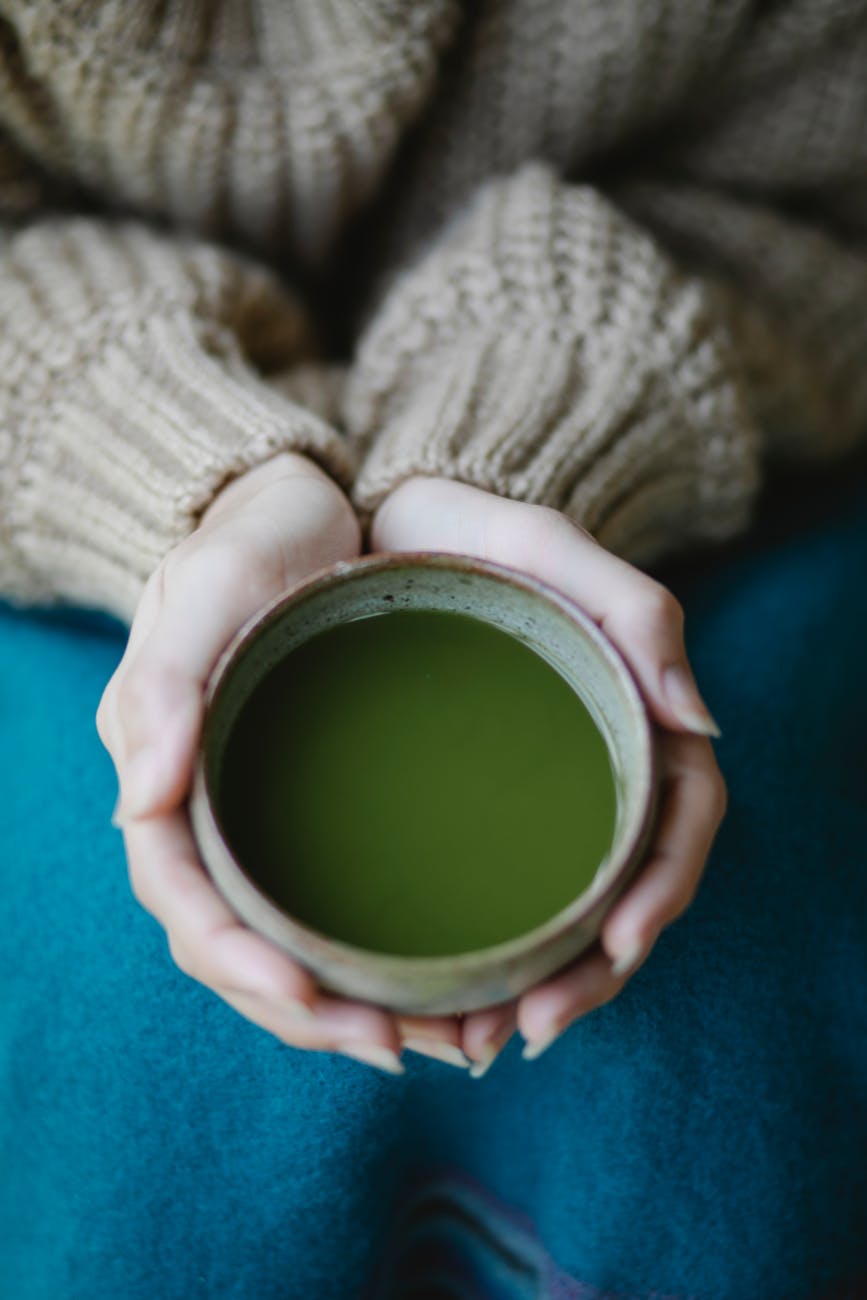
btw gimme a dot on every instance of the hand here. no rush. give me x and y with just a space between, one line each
264 533
645 622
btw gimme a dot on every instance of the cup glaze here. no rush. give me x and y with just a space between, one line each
549 624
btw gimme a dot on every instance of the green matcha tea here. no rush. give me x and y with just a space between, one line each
417 783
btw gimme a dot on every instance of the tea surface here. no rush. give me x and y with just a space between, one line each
417 783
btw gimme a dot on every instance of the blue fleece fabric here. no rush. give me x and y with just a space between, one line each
704 1135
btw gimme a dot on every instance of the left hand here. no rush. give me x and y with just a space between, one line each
264 532
645 622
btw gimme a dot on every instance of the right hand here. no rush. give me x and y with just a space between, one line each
645 622
262 534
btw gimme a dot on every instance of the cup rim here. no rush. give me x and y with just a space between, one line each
264 915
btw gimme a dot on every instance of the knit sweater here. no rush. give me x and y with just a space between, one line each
607 256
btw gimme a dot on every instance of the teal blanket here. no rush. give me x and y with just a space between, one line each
705 1135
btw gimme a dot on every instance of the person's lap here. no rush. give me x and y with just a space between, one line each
702 1135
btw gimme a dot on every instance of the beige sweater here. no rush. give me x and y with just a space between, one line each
609 255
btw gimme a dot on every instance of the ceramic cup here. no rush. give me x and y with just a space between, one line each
549 624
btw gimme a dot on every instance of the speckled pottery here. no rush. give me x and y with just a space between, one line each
542 619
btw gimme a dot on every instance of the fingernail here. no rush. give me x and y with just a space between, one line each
373 1054
489 1054
479 1068
140 784
445 1052
533 1050
689 708
117 817
628 960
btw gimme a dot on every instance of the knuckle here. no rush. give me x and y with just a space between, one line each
659 608
107 709
713 793
282 983
609 992
181 956
301 1039
518 530
547 524
720 796
650 615
132 695
683 896
103 725
140 885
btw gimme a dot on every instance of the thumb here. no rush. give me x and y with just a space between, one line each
643 619
638 614
265 532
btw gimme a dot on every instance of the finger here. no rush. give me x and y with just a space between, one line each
436 1036
283 1022
641 617
206 939
486 1034
547 1010
151 712
157 701
321 1032
212 946
107 720
360 1029
147 612
158 715
167 652
694 803
693 807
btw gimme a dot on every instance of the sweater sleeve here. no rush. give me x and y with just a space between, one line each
548 350
632 362
135 381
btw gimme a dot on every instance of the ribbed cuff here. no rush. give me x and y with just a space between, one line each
645 456
131 449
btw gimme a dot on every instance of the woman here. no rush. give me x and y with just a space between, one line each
577 272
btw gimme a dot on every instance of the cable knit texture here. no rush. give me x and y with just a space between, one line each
604 256
135 385
547 350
